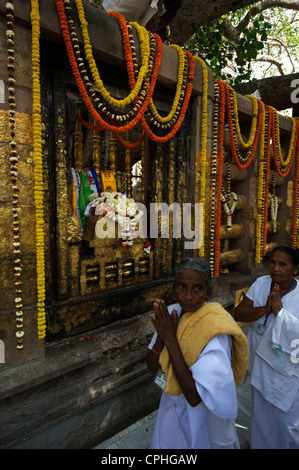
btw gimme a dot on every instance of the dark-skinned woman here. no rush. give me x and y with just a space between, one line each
199 353
271 305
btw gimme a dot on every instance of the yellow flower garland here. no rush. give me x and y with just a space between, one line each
283 162
259 216
203 153
144 48
236 119
38 169
178 88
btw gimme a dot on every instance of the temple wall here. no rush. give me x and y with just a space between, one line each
88 378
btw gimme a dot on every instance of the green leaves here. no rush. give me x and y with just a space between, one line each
229 55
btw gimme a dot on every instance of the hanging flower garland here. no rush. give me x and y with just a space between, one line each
77 75
113 116
144 45
130 145
38 170
220 165
171 134
283 166
203 150
263 186
14 158
240 161
260 191
236 118
214 173
140 114
294 233
267 153
178 92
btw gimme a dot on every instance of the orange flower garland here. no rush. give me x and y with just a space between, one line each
283 168
184 108
185 104
130 145
80 83
232 134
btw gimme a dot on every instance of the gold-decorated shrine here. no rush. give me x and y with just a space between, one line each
74 314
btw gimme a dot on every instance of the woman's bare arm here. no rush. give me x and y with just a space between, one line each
246 312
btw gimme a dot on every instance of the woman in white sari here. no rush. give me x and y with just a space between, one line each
271 305
194 344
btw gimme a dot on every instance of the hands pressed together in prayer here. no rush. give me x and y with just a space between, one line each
274 304
165 324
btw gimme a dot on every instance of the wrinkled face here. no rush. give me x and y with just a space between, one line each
281 268
190 290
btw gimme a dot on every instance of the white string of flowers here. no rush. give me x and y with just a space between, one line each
117 207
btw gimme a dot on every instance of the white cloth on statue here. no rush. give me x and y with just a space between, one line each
273 370
209 425
140 11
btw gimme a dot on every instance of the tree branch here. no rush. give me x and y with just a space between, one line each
270 60
264 5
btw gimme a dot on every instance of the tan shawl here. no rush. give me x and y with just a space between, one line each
194 332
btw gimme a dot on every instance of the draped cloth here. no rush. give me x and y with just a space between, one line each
194 332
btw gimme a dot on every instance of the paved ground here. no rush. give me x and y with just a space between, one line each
139 434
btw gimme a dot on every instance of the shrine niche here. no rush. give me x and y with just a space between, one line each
103 187
75 305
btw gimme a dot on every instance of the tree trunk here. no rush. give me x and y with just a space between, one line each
274 91
185 16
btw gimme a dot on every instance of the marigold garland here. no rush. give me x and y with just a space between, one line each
283 166
144 45
241 162
181 67
203 150
184 108
260 191
130 145
38 170
236 118
80 83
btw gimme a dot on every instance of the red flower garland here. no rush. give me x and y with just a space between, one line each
130 145
187 97
184 108
80 83
232 134
285 172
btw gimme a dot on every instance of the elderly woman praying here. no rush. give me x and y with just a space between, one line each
199 354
